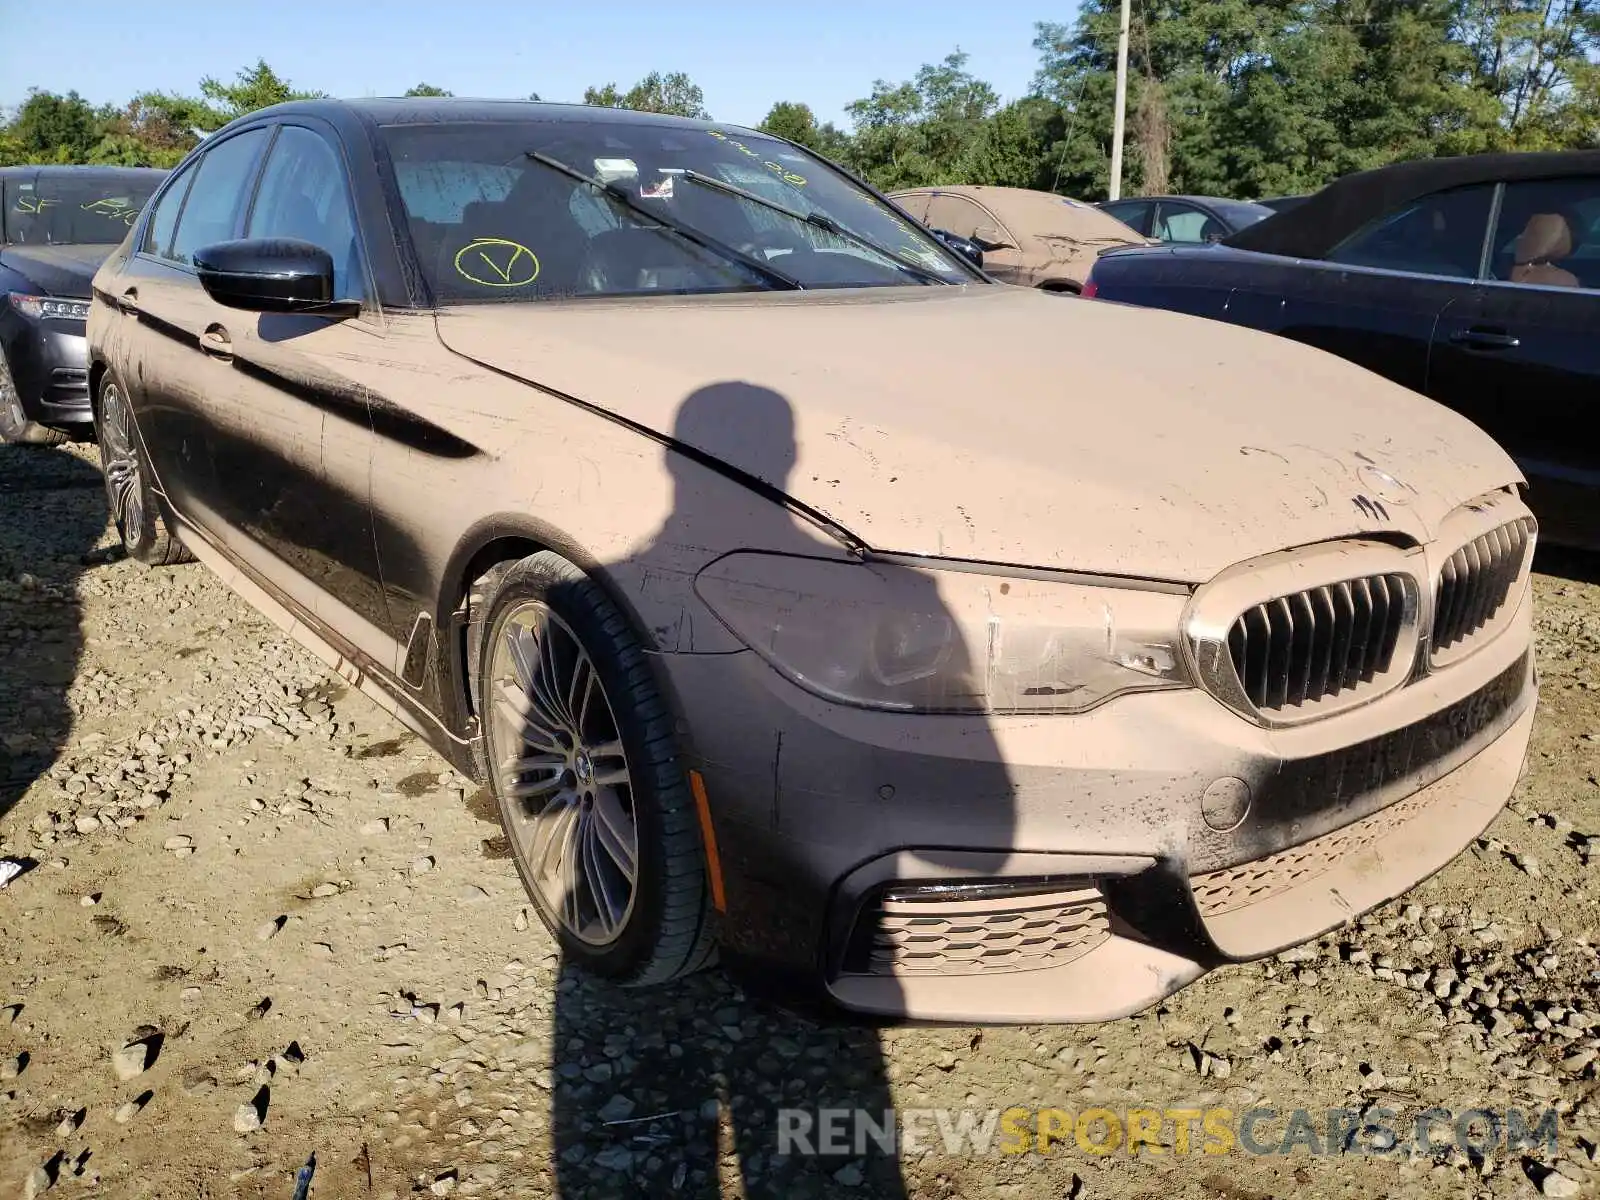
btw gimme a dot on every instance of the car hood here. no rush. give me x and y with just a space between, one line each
57 270
1042 251
1005 425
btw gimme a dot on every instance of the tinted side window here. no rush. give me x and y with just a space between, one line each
1441 234
218 194
1134 213
915 203
158 233
303 195
1184 223
1549 234
955 214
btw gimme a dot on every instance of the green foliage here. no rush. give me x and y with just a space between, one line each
919 132
798 124
1265 97
673 93
1228 97
253 88
52 128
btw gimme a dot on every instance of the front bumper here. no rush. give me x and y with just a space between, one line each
1118 854
49 364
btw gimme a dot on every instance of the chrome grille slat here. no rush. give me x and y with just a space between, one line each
1324 632
1316 643
1301 647
1344 610
1356 665
1476 581
1278 658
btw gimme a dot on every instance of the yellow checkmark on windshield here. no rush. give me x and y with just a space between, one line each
497 262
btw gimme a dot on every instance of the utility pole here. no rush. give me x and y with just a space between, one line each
1120 120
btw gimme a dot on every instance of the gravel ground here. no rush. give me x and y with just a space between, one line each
263 922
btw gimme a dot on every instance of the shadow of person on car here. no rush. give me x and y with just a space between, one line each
52 513
699 1088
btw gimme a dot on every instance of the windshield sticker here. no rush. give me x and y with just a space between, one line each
778 169
35 204
497 262
610 170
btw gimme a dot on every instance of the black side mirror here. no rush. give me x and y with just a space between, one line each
270 275
966 247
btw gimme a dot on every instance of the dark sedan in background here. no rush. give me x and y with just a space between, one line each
1186 218
57 225
1474 280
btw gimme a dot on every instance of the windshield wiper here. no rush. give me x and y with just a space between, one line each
820 220
671 224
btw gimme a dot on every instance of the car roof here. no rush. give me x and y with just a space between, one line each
1180 196
58 171
422 110
1315 226
1028 209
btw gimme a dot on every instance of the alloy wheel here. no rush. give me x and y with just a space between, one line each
120 462
562 774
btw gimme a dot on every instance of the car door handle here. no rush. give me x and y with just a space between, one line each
216 343
1485 339
130 300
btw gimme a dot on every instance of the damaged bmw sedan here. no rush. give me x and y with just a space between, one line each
645 467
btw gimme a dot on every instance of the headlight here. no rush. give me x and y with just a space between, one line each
889 636
39 307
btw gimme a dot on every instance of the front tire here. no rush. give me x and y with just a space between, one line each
584 765
15 428
145 535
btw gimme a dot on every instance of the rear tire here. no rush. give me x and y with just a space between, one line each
15 428
564 691
133 504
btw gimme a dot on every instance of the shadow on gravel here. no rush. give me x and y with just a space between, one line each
701 1071
681 1090
52 512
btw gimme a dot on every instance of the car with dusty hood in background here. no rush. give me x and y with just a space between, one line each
57 224
1031 238
643 466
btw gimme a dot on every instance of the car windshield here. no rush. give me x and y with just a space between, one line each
493 215
68 209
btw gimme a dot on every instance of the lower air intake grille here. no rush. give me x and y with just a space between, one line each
925 933
1476 580
1314 644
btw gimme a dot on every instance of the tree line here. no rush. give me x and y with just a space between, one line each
1241 98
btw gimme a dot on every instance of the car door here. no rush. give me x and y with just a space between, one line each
1375 298
175 370
1520 353
291 437
964 218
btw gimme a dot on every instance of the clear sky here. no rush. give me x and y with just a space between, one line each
744 55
